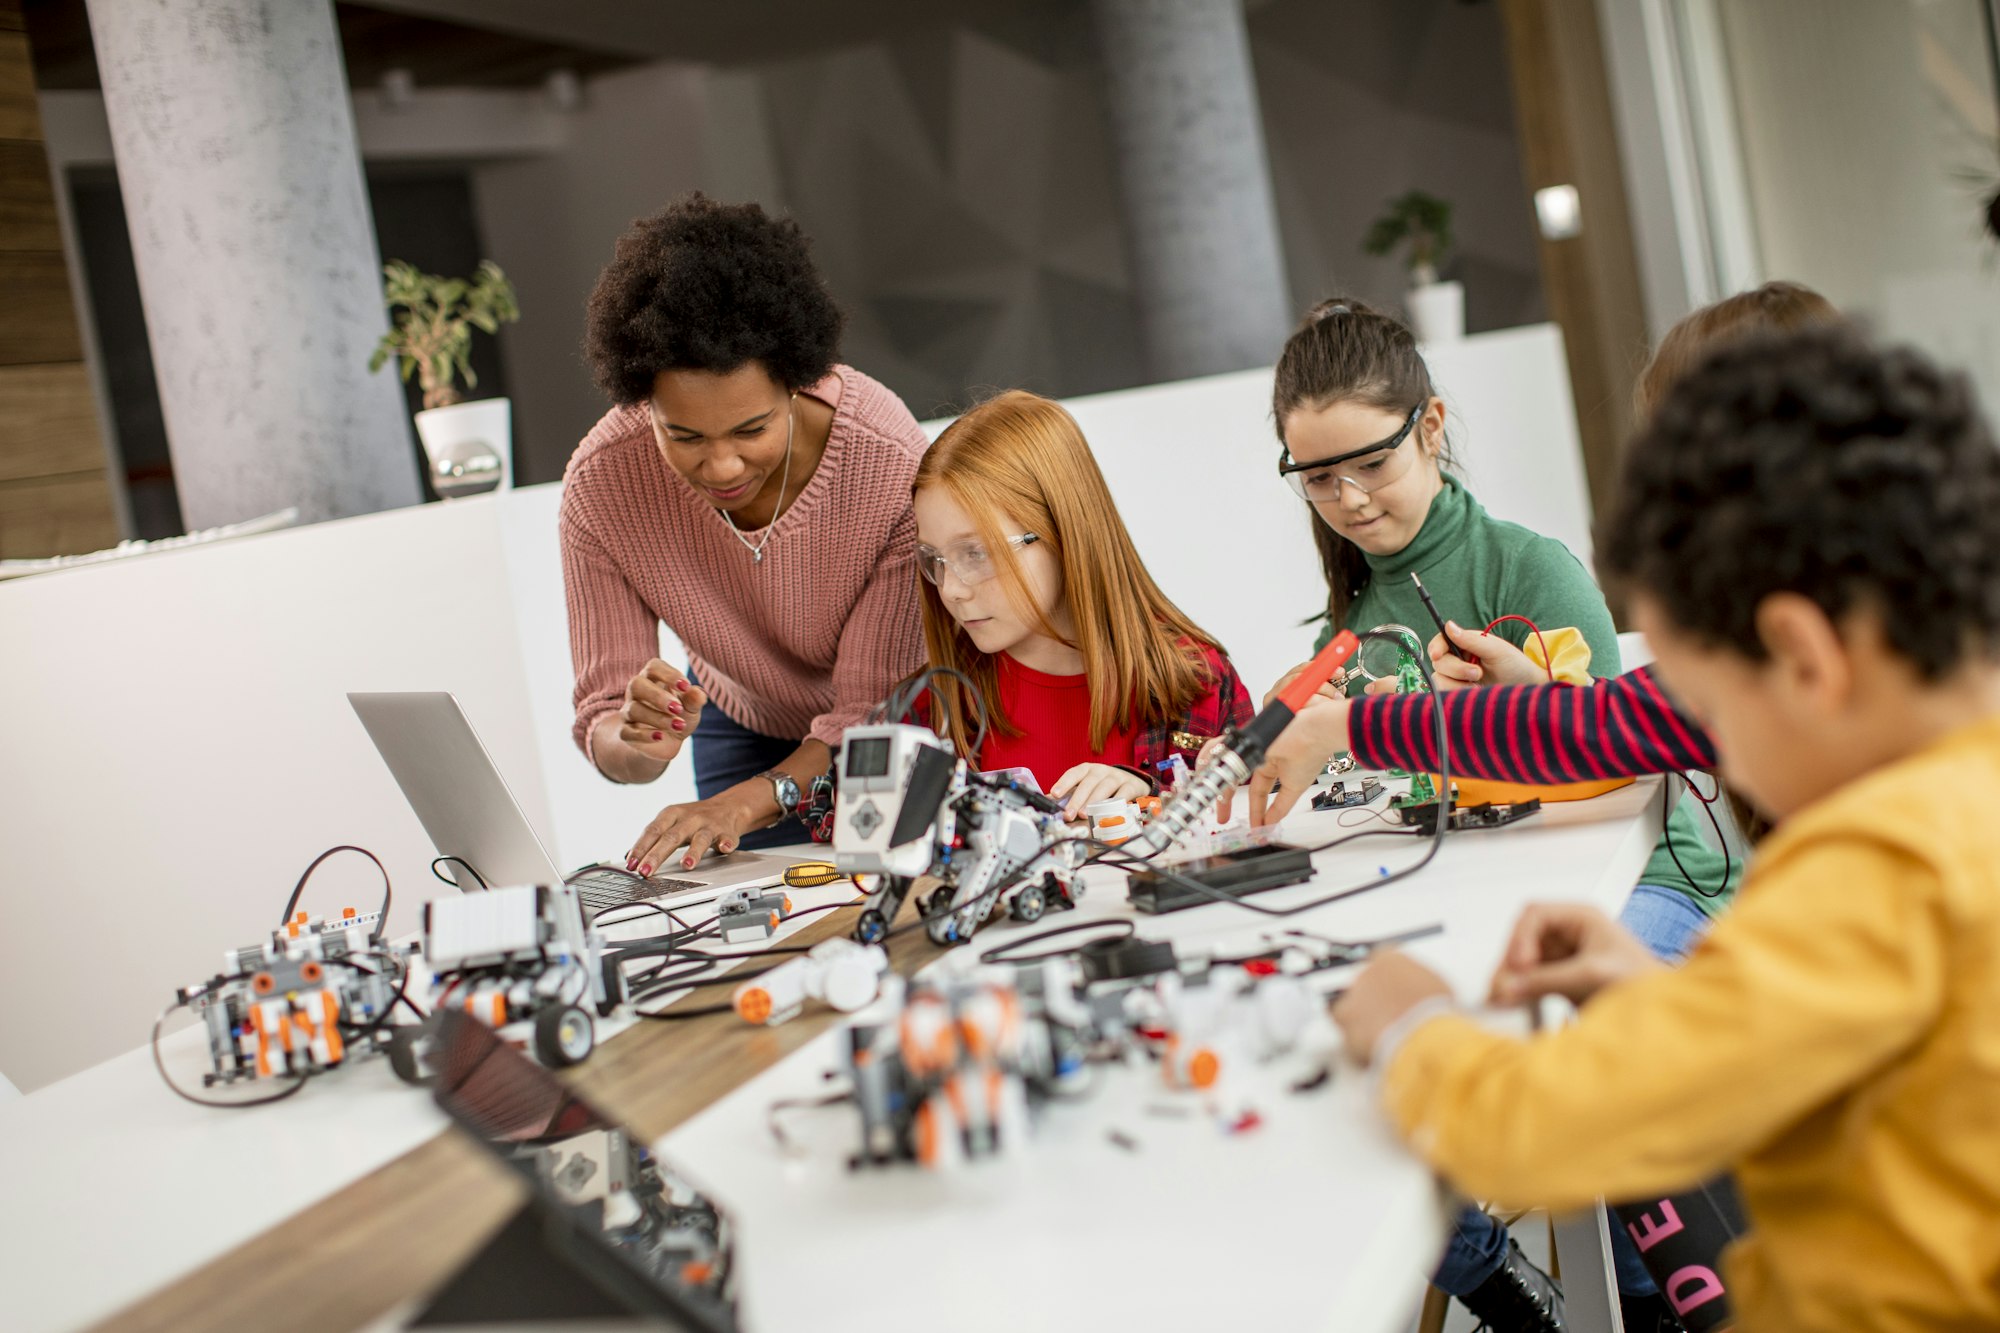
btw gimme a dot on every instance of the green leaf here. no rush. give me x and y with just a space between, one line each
432 319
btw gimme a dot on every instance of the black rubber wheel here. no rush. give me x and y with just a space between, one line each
1030 903
871 927
403 1059
564 1036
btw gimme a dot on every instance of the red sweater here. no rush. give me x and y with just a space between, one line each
800 645
1053 713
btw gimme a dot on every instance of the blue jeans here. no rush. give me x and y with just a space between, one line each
725 753
1668 923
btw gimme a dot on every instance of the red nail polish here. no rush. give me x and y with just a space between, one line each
659 735
673 705
645 870
687 863
679 725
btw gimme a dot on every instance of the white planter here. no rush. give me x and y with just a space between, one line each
1437 312
470 446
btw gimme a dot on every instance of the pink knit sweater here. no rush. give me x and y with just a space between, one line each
800 645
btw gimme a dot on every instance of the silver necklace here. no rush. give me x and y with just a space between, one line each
757 551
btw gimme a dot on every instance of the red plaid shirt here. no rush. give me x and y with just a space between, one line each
1226 704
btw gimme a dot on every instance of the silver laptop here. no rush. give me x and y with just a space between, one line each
465 805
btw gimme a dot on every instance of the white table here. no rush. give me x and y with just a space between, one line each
113 1188
1315 1219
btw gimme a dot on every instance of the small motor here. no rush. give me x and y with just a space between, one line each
838 972
750 914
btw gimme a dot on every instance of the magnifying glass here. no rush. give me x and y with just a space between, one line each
1381 659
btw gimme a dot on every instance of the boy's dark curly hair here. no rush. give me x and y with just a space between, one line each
702 285
1815 463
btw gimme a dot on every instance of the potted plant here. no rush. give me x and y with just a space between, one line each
469 445
1423 223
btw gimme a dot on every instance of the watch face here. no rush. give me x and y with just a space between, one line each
787 791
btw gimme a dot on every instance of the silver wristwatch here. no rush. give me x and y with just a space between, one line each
785 788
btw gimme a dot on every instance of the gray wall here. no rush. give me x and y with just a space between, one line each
959 187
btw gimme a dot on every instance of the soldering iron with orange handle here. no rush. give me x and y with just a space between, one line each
1242 749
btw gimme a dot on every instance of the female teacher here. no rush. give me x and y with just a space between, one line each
754 495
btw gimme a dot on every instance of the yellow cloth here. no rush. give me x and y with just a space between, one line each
1835 1039
1568 650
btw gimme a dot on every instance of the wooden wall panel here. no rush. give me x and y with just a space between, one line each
56 516
27 205
1562 105
20 117
51 422
55 487
37 318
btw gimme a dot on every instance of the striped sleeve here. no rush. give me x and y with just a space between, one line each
1535 733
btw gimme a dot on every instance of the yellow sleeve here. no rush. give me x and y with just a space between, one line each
1829 964
1568 656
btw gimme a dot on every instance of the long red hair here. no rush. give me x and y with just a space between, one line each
1023 456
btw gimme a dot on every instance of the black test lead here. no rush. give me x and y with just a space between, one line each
1438 620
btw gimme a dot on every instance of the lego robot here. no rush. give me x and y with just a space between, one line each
939 1078
909 809
524 961
658 1219
315 996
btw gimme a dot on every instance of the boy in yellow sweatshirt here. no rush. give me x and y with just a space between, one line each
1809 532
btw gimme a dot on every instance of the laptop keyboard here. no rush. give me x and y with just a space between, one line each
600 887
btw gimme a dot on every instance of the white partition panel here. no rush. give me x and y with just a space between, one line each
592 818
176 745
1193 469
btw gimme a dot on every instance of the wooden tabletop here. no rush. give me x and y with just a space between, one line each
398 1233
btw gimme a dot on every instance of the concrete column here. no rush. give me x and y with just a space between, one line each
236 154
1199 215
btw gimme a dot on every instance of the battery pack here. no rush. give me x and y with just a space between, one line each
1233 874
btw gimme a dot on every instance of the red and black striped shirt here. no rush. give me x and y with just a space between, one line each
1614 728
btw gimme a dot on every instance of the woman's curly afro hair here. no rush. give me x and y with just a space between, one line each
702 285
1815 463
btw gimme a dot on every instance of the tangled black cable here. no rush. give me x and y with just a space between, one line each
382 921
1667 835
896 708
697 963
1007 951
470 868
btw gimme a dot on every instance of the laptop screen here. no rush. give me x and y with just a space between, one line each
648 1236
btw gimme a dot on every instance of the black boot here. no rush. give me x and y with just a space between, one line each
1649 1314
1519 1296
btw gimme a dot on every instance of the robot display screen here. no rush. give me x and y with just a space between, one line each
868 757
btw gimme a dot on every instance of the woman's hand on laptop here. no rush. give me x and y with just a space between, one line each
693 830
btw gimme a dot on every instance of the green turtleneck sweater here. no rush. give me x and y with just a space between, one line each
1479 568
